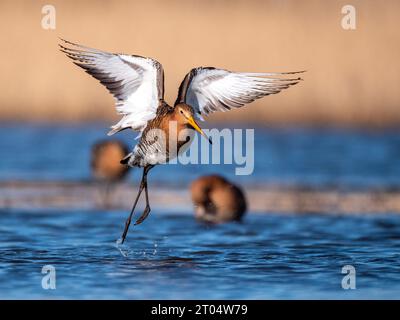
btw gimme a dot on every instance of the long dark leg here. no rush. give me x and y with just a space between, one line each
147 209
128 221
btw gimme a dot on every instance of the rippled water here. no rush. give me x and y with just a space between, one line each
172 256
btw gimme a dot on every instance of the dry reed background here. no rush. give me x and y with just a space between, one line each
353 76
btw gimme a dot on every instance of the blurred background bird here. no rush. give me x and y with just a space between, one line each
217 200
106 167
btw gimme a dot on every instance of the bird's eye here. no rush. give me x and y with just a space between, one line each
181 112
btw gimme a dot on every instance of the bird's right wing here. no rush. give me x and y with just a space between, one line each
209 89
137 83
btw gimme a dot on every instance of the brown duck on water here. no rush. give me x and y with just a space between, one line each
217 200
137 83
105 160
106 167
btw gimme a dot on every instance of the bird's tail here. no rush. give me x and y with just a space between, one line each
125 160
115 129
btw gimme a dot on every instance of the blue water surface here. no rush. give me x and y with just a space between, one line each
301 156
171 256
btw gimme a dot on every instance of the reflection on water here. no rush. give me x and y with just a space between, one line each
172 256
301 156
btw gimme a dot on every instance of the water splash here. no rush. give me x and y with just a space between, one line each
123 249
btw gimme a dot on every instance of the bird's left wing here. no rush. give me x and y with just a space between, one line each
137 83
208 89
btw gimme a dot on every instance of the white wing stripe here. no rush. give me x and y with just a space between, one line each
137 83
211 89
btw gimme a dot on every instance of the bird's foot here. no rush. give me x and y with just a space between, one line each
143 216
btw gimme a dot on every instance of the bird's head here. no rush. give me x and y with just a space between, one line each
184 115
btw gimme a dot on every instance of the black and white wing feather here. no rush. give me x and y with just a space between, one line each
137 83
208 89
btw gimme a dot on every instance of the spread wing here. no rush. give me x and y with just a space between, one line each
208 89
137 83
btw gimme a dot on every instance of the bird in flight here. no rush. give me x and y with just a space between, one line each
137 84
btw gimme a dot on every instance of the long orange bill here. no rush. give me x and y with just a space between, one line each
198 129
